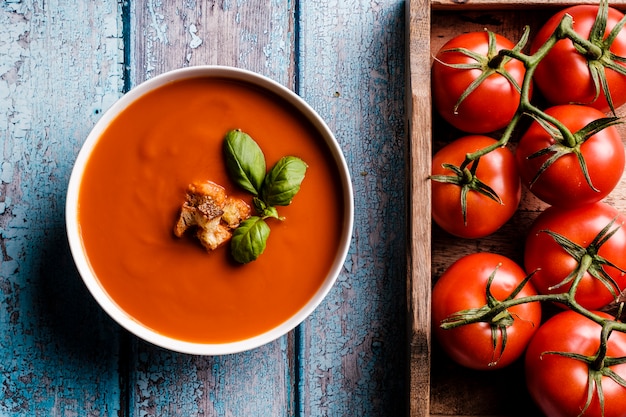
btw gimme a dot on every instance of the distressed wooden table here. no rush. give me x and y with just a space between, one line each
62 64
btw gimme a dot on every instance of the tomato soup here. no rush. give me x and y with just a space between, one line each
132 190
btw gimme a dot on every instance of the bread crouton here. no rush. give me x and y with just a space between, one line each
213 234
212 214
235 211
203 203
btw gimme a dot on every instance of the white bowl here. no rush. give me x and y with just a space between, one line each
81 258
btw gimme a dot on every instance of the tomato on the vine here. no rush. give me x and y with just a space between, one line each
492 104
560 385
564 181
596 248
565 74
483 214
463 286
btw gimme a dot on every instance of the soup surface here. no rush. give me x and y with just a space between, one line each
132 190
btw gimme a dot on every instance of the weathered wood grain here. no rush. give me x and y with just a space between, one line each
352 70
506 5
253 35
58 352
257 382
348 359
419 118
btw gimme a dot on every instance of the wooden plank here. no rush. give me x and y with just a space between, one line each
466 5
418 246
254 36
352 72
257 382
60 68
249 35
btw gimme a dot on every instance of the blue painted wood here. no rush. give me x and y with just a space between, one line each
254 383
352 71
61 65
60 68
246 34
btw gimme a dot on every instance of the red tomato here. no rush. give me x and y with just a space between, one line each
564 183
463 286
581 225
563 76
497 169
558 384
490 106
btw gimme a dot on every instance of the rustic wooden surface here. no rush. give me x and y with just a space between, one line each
438 387
62 64
419 245
473 5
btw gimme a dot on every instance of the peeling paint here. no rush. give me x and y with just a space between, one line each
60 69
356 48
56 60
157 21
195 39
6 172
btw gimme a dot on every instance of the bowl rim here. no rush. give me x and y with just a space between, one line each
73 228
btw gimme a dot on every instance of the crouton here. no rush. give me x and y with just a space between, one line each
212 214
235 211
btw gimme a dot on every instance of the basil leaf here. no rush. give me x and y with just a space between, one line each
283 181
245 161
264 210
249 239
272 212
259 205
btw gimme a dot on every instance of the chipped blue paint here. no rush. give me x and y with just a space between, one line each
61 66
58 353
157 23
255 383
167 383
352 73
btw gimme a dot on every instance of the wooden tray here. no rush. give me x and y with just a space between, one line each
437 386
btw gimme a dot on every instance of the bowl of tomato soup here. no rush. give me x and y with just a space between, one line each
130 181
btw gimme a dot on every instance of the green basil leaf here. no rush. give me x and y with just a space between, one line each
264 210
259 205
249 239
272 212
245 161
283 181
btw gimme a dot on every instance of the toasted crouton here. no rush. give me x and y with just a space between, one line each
213 234
212 213
235 211
204 202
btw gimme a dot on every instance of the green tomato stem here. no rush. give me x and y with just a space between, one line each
563 30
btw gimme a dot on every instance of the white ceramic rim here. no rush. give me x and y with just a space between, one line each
74 235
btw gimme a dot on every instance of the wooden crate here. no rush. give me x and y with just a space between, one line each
438 387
